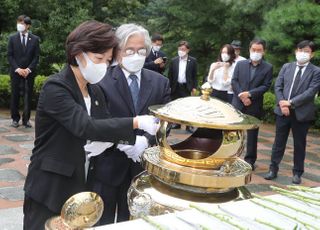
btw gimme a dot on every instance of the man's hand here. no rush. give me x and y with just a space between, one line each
244 95
135 151
193 92
247 101
285 111
148 123
159 61
284 103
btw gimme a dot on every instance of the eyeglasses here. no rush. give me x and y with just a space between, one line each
141 52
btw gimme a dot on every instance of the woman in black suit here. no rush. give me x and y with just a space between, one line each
71 112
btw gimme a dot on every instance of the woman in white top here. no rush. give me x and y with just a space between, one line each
221 72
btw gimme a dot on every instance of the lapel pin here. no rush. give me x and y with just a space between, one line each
96 102
29 39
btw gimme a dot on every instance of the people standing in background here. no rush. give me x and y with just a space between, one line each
129 90
220 74
251 79
236 44
295 89
156 60
23 57
183 74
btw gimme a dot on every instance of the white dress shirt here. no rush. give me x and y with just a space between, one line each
182 70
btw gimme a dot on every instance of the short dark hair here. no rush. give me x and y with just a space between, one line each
306 43
90 36
24 18
184 43
259 42
231 53
157 37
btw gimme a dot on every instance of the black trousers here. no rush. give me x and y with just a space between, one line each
35 214
115 201
21 87
299 133
180 91
222 95
252 140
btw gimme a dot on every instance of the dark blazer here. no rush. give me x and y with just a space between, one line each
191 73
303 102
62 128
20 58
257 86
149 62
112 168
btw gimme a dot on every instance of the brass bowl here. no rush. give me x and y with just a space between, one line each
219 136
82 210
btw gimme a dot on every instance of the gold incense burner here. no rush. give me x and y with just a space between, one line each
203 168
82 210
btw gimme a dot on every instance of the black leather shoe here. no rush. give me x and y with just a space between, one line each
270 175
27 124
15 124
296 179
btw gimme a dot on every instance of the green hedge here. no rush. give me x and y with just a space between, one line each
5 90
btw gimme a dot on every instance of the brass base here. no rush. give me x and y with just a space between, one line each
232 174
149 196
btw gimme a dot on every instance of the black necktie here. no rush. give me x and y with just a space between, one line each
24 41
134 88
296 82
156 54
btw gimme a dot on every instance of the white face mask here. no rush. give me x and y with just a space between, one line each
302 57
156 48
225 57
182 53
93 72
133 63
21 27
254 56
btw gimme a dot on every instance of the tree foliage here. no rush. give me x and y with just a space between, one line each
206 24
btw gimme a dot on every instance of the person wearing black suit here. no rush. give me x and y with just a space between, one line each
183 75
251 79
295 89
156 60
23 57
70 112
113 172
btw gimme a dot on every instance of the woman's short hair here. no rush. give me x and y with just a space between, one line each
90 36
230 51
184 43
125 31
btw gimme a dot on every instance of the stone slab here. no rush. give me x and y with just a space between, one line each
12 193
10 175
5 160
18 137
5 149
11 219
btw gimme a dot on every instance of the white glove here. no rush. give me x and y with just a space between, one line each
96 147
148 123
135 151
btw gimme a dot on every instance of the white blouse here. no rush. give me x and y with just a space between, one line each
218 81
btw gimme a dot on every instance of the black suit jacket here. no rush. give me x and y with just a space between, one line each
257 86
20 58
62 128
303 102
113 167
149 62
191 73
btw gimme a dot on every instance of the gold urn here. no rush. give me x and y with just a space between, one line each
205 167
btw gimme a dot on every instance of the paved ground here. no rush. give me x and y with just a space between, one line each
16 146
